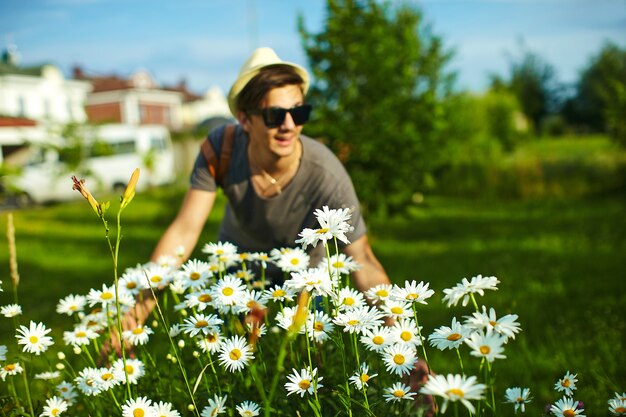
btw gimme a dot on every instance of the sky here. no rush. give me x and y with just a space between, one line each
205 41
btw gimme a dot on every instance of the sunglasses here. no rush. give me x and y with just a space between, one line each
275 116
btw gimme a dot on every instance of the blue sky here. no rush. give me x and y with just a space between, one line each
206 41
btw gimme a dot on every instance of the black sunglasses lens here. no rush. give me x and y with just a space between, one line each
274 116
301 114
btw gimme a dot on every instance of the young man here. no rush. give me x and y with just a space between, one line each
276 177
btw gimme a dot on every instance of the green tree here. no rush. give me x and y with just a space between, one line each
379 84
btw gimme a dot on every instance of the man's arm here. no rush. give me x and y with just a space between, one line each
371 272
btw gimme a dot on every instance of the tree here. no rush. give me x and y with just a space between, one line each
379 80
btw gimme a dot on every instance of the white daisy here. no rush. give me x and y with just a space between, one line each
104 297
107 379
507 325
397 309
619 397
248 409
175 330
219 249
261 258
617 407
81 335
313 280
279 293
140 406
284 318
454 388
66 391
137 336
362 376
10 369
54 407
319 326
518 396
164 409
451 337
132 282
379 293
567 384
200 299
399 359
377 338
158 276
210 342
216 406
398 392
196 274
88 381
71 304
303 382
134 368
405 331
3 353
34 338
235 353
340 263
11 310
348 298
412 292
227 291
244 274
359 319
488 347
201 323
48 376
462 290
566 407
249 301
291 259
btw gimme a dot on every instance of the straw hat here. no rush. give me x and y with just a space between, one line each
260 58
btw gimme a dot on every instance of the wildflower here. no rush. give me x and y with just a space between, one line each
449 337
412 292
303 382
334 224
98 208
220 249
319 326
215 407
11 310
291 259
235 354
3 353
362 376
465 288
66 391
348 298
488 347
71 304
107 379
34 338
227 291
157 276
87 381
617 407
132 282
81 335
249 301
377 338
47 376
567 384
405 331
201 324
279 293
129 192
200 299
10 369
379 293
398 392
54 407
518 396
196 274
619 397
164 409
567 407
340 263
397 309
175 330
399 359
210 342
454 388
507 325
359 319
140 406
260 257
248 409
313 280
105 297
138 336
134 369
284 319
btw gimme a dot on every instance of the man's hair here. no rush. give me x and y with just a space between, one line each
270 77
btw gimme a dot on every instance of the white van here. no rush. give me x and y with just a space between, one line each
113 152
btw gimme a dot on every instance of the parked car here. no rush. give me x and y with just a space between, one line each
111 153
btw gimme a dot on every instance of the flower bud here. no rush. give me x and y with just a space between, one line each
61 356
190 407
77 350
181 343
60 366
155 324
129 193
196 354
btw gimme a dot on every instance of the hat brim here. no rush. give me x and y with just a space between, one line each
244 78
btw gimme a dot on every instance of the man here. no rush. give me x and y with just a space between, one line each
275 177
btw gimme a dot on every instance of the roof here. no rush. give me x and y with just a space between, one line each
10 69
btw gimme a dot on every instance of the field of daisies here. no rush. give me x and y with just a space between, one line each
221 339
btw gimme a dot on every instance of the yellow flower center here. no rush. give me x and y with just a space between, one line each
155 278
219 252
235 354
205 298
107 376
131 285
519 400
322 231
493 323
304 384
338 264
201 323
378 340
364 377
620 410
211 338
382 293
73 308
279 293
412 297
10 367
54 412
33 339
396 310
348 301
129 369
353 322
484 350
398 393
138 412
313 282
294 261
228 291
569 413
318 326
455 392
454 337
194 276
406 336
106 296
565 383
251 304
81 334
398 359
138 330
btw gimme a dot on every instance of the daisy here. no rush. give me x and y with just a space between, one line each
261 257
518 396
619 397
617 407
227 291
251 300
248 409
235 353
11 310
140 406
379 293
200 299
87 381
567 384
454 388
313 280
507 325
54 407
405 331
397 309
292 259
362 376
449 337
377 338
335 222
196 274
10 369
303 382
34 338
131 282
319 326
81 335
219 249
137 336
66 391
175 330
215 407
104 297
340 263
245 274
201 324
163 409
412 292
71 304
488 347
465 288
566 407
348 298
359 319
398 392
157 276
210 342
279 293
3 353
284 318
399 359
107 379
134 369
47 376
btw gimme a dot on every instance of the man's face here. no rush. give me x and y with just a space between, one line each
280 141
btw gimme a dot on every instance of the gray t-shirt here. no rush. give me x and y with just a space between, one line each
255 223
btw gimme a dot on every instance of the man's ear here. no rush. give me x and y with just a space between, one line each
243 120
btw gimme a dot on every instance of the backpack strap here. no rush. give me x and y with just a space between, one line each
218 167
